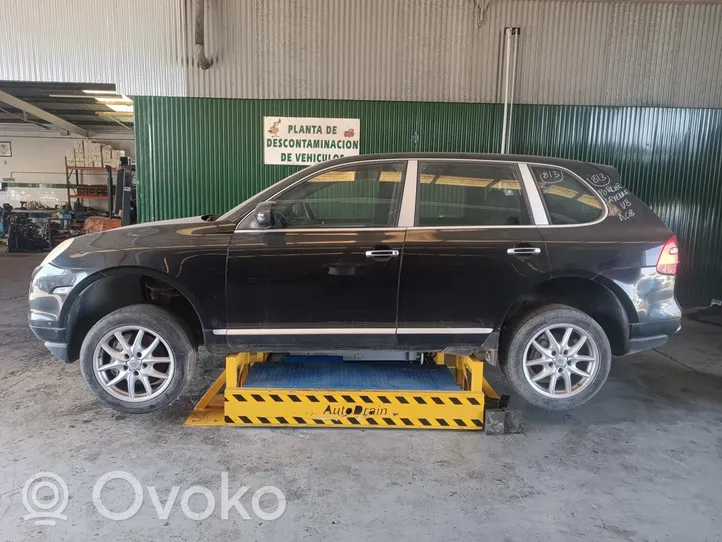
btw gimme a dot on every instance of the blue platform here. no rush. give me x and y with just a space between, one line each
365 375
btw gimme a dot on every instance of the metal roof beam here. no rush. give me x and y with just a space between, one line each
42 114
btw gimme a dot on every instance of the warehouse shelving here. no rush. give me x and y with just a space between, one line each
79 173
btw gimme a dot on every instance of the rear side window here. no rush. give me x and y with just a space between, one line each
567 199
470 194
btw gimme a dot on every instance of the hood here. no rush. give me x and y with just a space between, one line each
163 235
169 222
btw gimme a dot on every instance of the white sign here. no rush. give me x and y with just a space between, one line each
301 141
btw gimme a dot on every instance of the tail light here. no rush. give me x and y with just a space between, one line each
669 258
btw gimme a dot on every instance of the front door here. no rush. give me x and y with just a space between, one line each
327 275
472 252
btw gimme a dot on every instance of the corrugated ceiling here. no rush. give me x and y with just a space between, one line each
608 53
64 100
571 52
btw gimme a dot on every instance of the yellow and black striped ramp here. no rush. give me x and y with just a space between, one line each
353 421
354 408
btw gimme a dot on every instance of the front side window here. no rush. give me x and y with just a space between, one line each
470 194
567 199
357 196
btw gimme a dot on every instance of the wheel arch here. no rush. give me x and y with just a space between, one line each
600 299
90 300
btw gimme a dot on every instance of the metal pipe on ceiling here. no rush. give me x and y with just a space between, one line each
507 67
516 31
511 53
199 47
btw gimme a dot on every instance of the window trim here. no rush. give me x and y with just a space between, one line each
409 197
354 331
404 161
507 163
538 208
407 212
605 207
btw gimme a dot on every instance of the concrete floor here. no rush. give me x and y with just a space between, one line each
642 461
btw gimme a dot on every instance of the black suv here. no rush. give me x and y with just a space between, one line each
549 266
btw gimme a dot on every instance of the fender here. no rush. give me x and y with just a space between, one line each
622 298
87 282
622 309
619 294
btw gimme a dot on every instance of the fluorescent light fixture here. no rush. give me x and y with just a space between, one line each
70 96
104 95
118 103
121 108
114 99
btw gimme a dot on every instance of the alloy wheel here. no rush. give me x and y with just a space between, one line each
561 360
133 363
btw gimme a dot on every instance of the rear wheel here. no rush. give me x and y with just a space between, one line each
138 359
556 357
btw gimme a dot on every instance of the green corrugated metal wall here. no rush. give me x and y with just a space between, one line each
204 155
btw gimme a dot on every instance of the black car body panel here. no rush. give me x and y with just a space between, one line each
316 288
430 289
295 281
189 254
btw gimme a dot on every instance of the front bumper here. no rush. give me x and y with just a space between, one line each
59 350
54 340
50 287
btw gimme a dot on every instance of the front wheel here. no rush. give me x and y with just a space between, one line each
138 359
556 357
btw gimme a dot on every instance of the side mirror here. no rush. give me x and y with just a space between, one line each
264 215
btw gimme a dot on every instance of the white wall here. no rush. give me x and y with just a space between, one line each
39 157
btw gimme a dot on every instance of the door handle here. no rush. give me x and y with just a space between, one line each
523 251
382 253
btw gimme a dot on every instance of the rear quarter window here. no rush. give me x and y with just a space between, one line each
567 199
620 201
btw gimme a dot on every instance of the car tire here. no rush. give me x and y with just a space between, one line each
167 369
531 373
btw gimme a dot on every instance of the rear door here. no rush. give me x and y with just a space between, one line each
327 277
473 250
